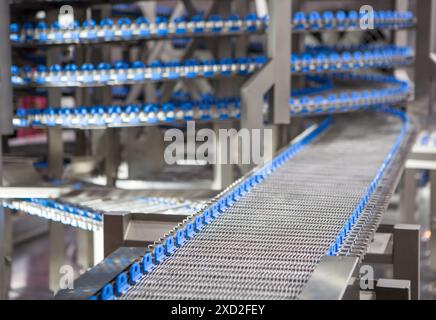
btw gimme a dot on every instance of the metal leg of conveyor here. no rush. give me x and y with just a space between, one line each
392 289
424 41
432 218
5 252
222 170
84 249
114 224
403 252
55 167
89 248
6 111
408 196
406 255
4 281
56 254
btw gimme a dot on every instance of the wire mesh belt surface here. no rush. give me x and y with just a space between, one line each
267 244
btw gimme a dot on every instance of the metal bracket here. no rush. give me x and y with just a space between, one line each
403 252
123 229
335 278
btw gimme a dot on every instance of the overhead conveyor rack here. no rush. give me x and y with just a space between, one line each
316 60
330 94
107 31
265 235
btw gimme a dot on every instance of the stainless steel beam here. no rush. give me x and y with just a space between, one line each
6 105
252 96
335 278
408 196
279 50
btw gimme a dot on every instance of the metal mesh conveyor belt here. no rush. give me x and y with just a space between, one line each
267 244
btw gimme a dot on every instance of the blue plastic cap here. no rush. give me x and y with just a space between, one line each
215 17
121 65
87 67
104 66
138 65
161 19
55 25
41 68
168 107
71 67
15 70
106 22
21 112
124 21
55 68
142 20
89 23
41 25
197 18
14 28
180 19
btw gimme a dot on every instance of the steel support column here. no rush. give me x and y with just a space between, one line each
408 196
424 44
279 51
406 256
55 170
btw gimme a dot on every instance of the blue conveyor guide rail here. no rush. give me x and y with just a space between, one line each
263 237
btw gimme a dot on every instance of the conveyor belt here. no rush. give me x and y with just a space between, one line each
267 243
